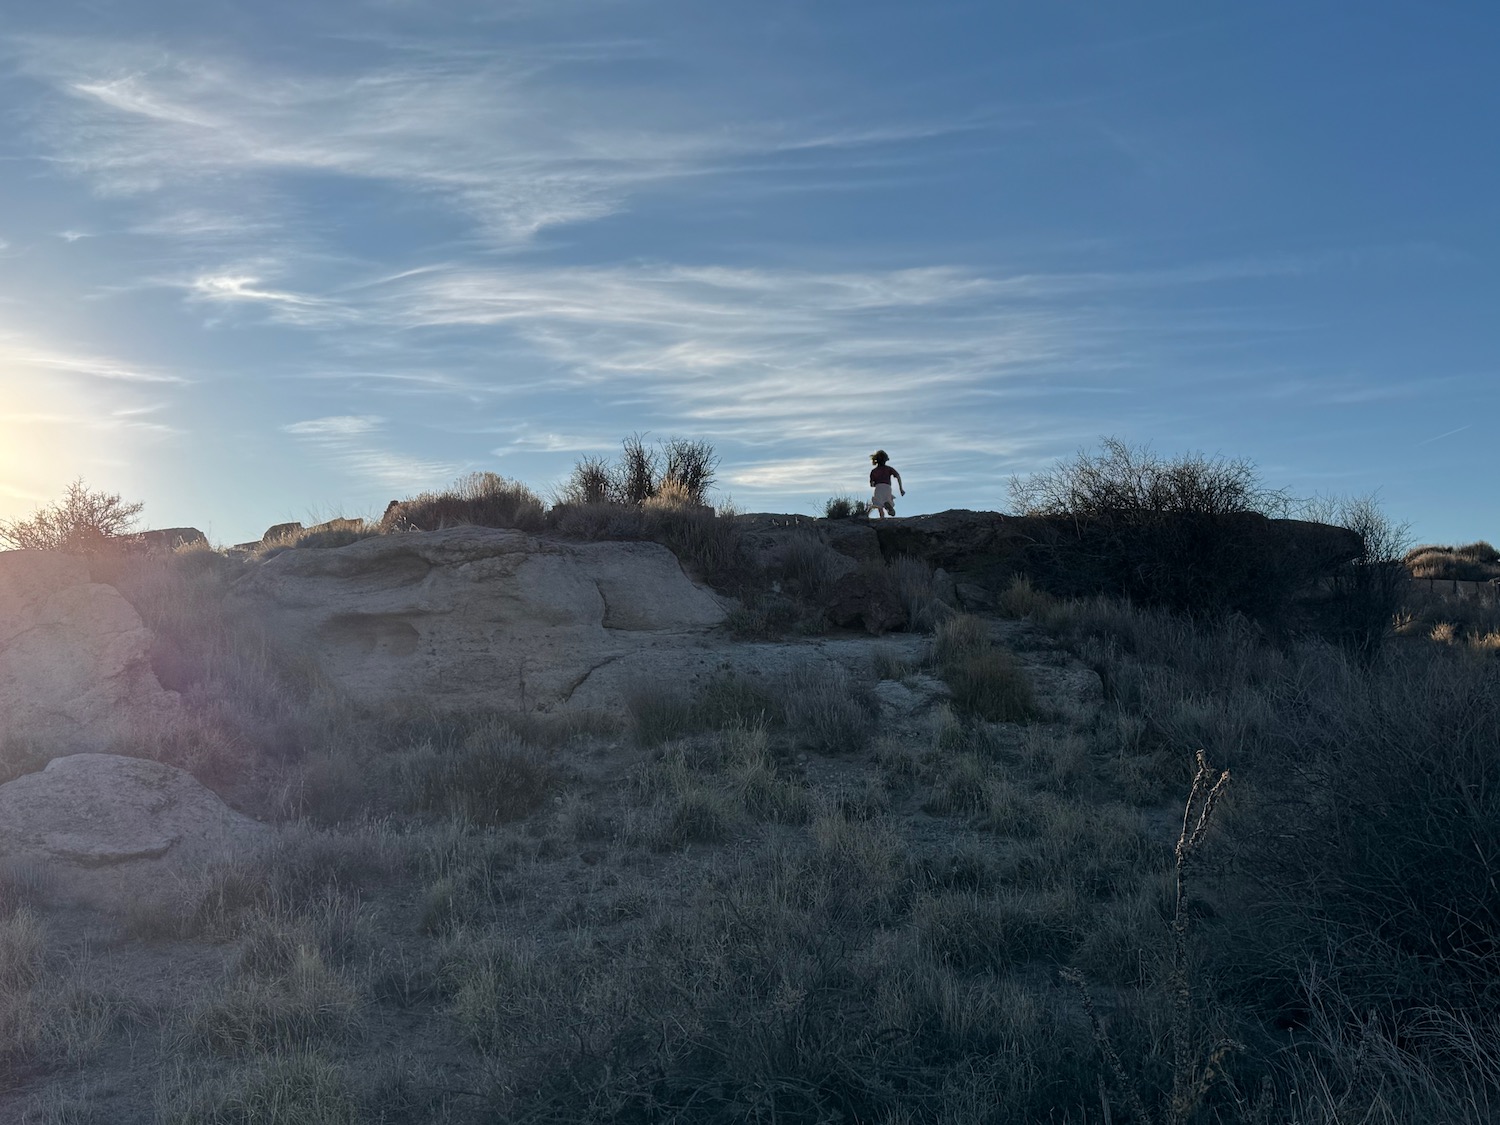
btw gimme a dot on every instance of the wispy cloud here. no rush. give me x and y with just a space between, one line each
351 443
18 352
501 137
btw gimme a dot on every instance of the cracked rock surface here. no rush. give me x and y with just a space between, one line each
473 616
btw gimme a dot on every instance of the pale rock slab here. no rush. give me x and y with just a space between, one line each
108 830
473 616
75 657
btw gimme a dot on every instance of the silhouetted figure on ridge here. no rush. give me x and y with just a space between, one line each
880 480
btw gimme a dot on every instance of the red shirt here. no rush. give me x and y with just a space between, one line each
881 474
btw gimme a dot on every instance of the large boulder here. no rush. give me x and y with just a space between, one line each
110 831
474 616
75 658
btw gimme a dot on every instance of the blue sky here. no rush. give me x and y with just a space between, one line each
286 260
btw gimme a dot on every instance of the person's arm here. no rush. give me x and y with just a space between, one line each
897 475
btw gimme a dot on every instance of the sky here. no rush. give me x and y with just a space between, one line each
287 261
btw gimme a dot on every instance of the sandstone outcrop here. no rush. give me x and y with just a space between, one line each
473 616
109 831
75 658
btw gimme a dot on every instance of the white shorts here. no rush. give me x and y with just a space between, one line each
882 497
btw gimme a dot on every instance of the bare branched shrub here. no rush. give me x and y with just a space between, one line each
638 475
84 521
593 481
1367 591
1125 480
1189 532
691 465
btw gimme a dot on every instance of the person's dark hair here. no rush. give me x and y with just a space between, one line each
879 457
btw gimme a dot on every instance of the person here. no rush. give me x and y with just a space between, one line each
880 480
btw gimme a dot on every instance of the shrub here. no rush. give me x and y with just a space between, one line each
808 566
84 521
828 710
296 1088
479 500
986 681
1366 591
1189 532
723 703
592 481
1124 480
845 507
600 520
691 465
492 778
684 467
916 586
706 540
328 534
638 473
1386 844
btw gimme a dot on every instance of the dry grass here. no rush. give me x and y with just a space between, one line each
986 681
301 1087
1472 562
827 710
757 910
916 586
306 1003
49 1014
479 500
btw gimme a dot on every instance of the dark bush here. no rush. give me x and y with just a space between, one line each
691 465
986 681
593 481
490 779
638 475
680 467
1366 592
1376 833
1192 532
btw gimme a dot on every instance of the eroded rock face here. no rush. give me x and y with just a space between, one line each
474 616
108 830
75 665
